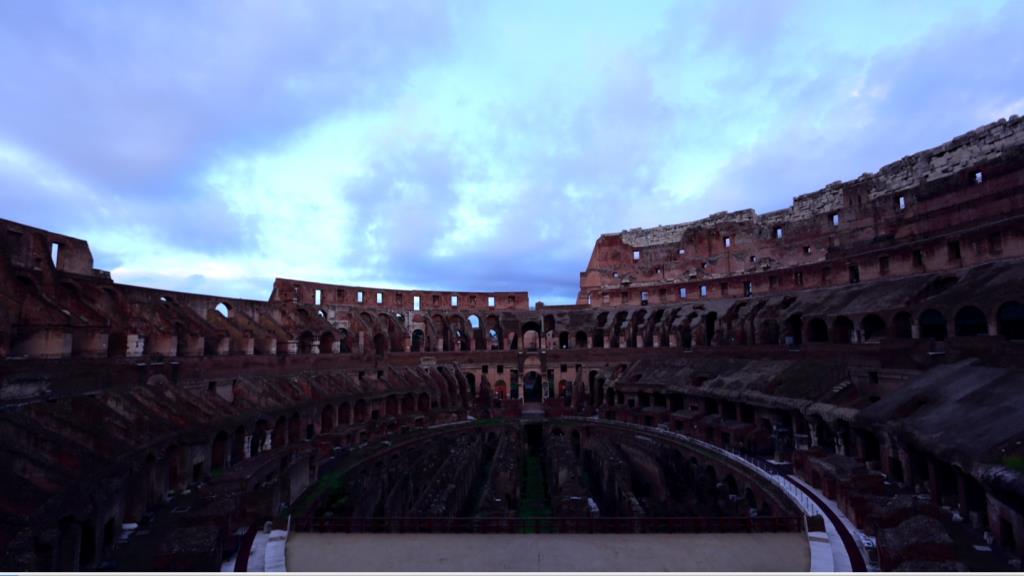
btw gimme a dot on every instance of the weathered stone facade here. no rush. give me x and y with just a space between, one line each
870 336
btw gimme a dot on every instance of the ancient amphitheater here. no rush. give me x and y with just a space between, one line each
837 385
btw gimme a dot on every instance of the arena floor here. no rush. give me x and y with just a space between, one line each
313 552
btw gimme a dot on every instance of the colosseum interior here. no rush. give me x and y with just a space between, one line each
845 374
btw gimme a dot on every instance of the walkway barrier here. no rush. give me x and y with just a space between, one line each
582 525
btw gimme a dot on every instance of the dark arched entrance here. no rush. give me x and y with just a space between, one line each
532 389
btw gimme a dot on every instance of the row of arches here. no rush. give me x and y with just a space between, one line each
679 327
967 321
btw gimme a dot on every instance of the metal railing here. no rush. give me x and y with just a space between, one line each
582 525
809 506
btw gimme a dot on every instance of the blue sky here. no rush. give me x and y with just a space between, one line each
212 145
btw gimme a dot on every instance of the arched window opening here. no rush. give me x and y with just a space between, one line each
306 343
563 340
901 326
581 339
970 321
359 412
327 342
873 328
817 330
842 330
794 330
219 452
685 337
380 344
532 389
709 327
417 340
223 309
768 332
1010 320
327 419
932 324
531 336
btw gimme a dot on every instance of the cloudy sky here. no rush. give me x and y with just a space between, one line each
213 145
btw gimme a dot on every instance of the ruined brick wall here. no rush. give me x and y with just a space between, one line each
832 376
976 178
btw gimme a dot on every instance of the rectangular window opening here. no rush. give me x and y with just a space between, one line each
835 218
54 253
490 301
380 297
703 290
643 298
901 202
416 303
455 301
995 243
728 242
636 255
953 248
807 249
359 296
979 177
748 288
682 293
316 297
778 232
854 274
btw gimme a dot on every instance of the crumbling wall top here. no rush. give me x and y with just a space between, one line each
975 148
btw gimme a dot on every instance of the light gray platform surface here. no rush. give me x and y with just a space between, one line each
310 552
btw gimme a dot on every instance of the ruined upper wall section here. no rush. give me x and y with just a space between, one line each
38 249
918 205
979 146
316 293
